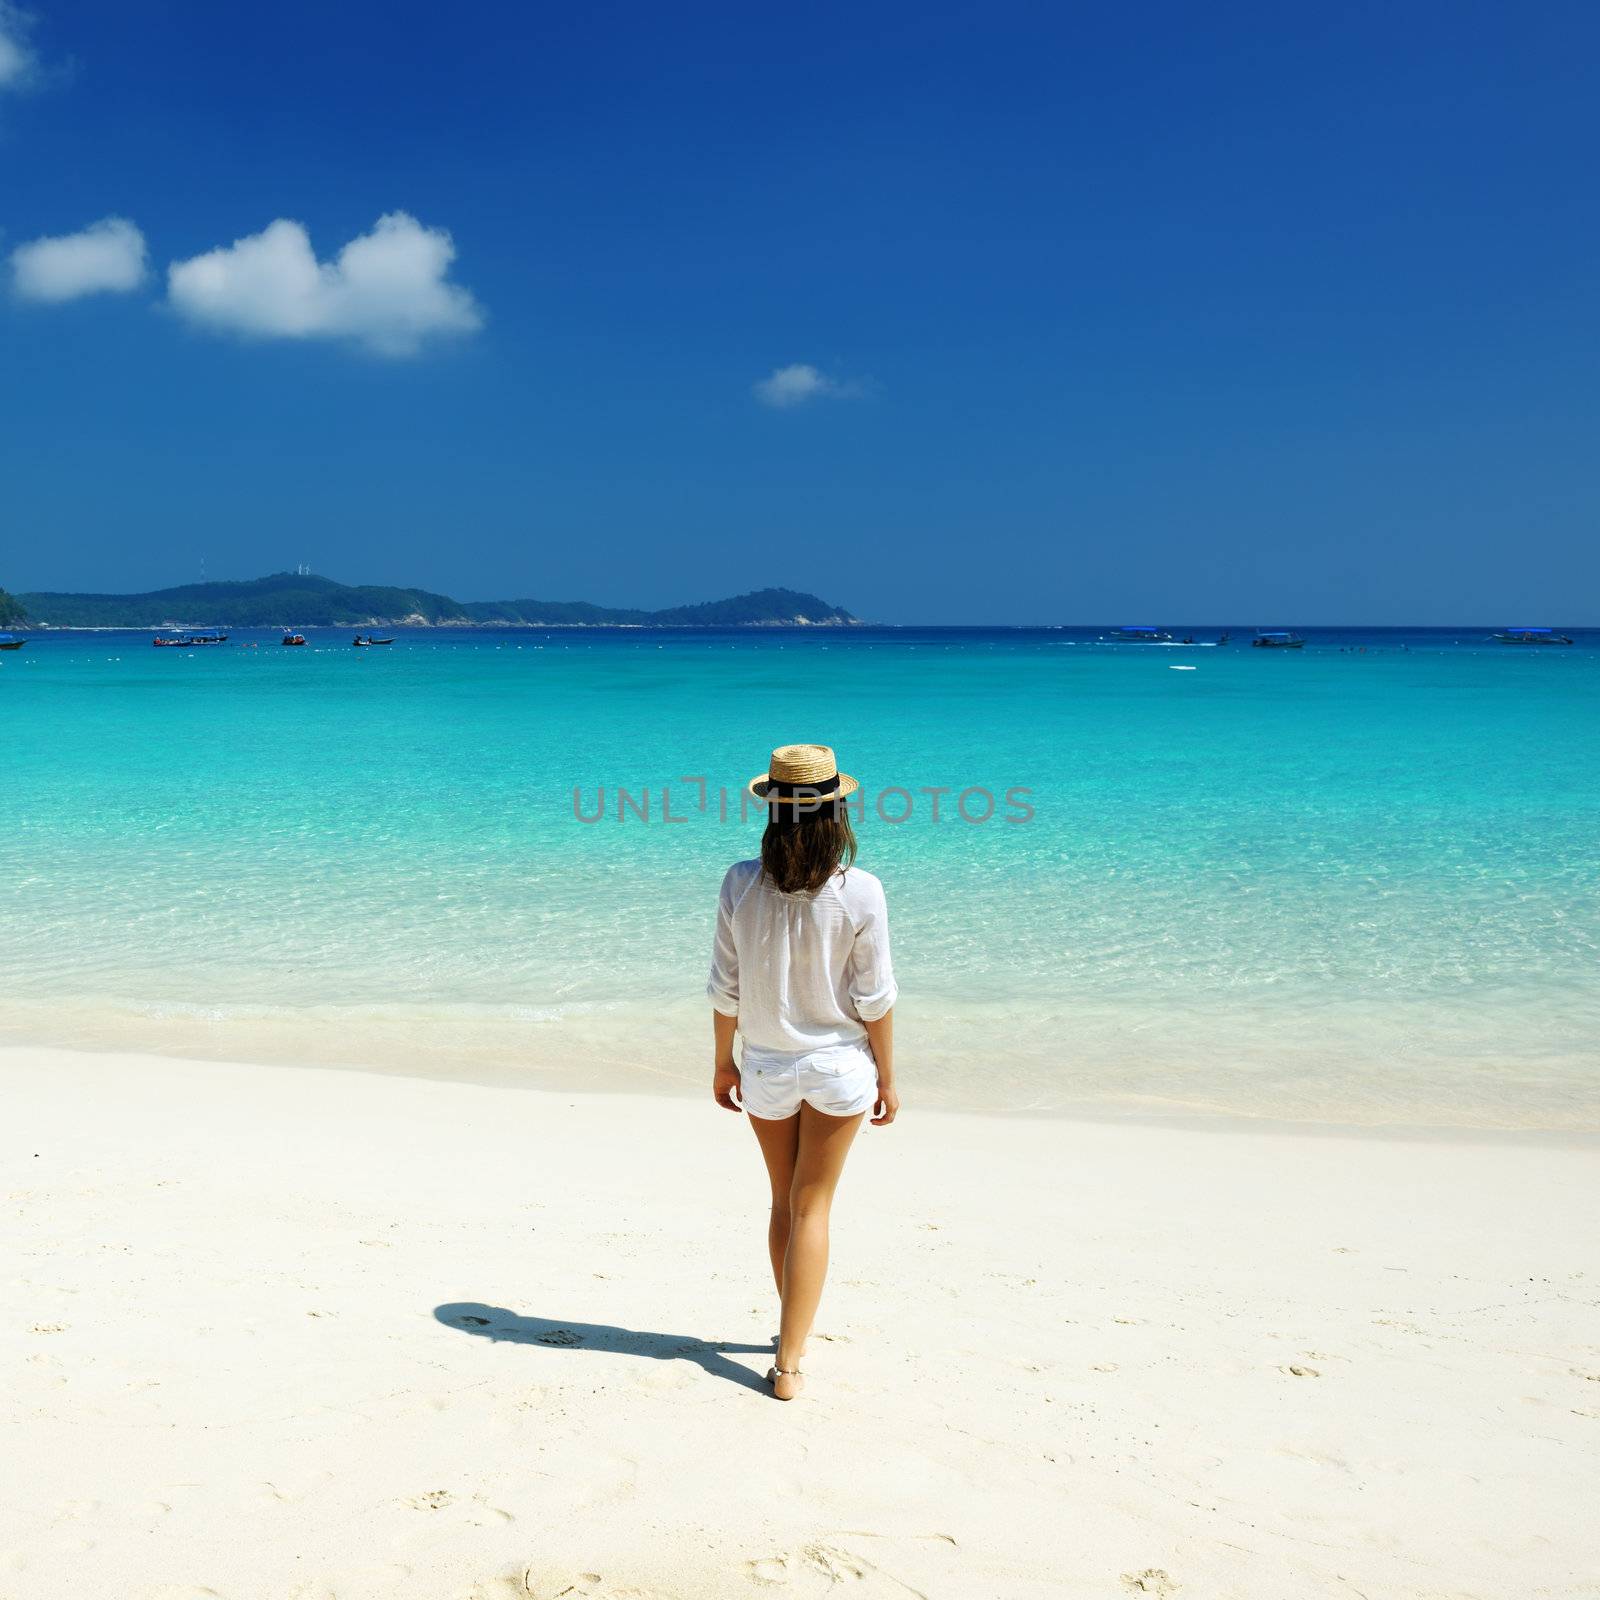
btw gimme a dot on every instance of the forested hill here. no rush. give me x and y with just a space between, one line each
12 611
282 600
761 607
291 600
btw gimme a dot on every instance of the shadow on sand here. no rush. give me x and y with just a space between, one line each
495 1322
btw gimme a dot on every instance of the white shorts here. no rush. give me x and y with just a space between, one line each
840 1081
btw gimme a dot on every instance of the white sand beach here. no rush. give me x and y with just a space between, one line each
275 1332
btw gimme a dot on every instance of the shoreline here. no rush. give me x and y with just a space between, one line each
1481 632
322 1333
457 625
618 1068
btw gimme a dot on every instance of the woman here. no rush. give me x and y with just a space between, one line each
801 970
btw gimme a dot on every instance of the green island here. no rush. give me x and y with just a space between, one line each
287 599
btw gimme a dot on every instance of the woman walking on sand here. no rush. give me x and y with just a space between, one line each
800 970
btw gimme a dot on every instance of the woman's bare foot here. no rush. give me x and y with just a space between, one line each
787 1382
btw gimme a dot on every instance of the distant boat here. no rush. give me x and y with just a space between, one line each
1141 635
1277 639
1531 636
294 638
183 640
359 641
9 641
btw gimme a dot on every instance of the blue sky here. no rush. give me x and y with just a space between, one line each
1252 312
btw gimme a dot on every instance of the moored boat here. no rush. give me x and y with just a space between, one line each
1530 636
1277 639
1141 635
182 639
9 641
294 638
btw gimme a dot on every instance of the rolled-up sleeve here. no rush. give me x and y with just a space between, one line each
723 987
872 985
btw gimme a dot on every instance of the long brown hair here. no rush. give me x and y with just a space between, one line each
801 857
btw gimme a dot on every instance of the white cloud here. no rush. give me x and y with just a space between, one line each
16 59
106 258
387 289
795 385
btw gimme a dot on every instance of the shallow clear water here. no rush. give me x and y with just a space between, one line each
1353 883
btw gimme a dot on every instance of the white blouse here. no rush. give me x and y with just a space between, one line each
801 971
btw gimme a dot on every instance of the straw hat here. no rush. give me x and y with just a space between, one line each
802 774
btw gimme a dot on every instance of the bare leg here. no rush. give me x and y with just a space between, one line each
823 1144
780 1144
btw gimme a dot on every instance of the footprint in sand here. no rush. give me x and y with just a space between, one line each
833 1563
561 1336
1151 1581
480 1514
473 1322
1104 1366
476 1511
823 1560
433 1500
572 1586
1301 1372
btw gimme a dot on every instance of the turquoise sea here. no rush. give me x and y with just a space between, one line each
1358 883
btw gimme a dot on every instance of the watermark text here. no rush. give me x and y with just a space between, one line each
691 798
